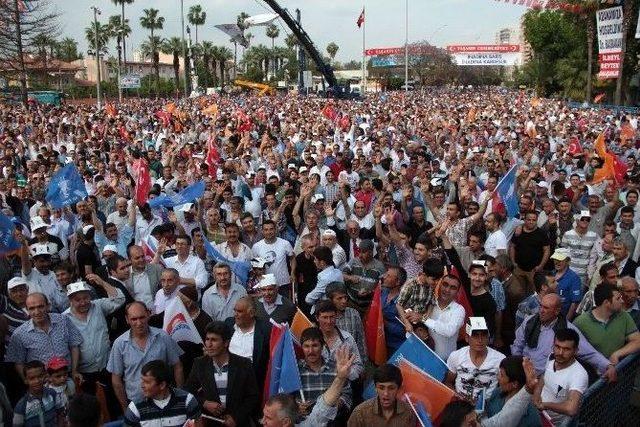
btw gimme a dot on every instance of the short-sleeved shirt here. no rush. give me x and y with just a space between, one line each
127 359
559 382
569 290
174 411
472 379
606 337
276 253
415 296
528 248
30 343
32 411
219 307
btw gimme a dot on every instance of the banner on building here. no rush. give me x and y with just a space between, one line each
485 55
609 26
130 81
385 61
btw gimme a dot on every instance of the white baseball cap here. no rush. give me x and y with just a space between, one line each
186 207
266 281
40 249
258 262
111 248
316 197
561 254
476 324
15 282
86 229
75 287
37 222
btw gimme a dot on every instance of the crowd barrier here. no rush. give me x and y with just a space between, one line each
605 404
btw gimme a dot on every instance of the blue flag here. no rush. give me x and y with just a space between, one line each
285 376
187 195
8 241
423 415
414 350
480 401
507 190
66 187
240 268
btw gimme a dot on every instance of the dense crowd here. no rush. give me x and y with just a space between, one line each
334 206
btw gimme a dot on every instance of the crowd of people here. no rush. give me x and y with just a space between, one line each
326 201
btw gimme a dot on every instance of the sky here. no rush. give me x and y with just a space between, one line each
440 22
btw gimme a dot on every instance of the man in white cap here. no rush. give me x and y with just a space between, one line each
39 275
87 255
330 240
271 304
569 285
40 228
580 241
474 369
89 316
111 234
189 211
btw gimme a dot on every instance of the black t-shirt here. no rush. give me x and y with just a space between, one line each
484 306
87 255
528 248
307 279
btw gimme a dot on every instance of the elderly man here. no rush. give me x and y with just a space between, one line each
629 289
250 336
189 266
170 284
120 217
46 335
218 301
145 277
134 348
39 275
534 338
330 240
271 304
545 283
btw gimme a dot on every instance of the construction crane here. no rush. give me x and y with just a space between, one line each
307 44
262 88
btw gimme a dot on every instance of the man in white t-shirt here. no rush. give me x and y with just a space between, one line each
276 251
496 242
474 369
560 390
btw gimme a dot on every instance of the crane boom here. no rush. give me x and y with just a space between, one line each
306 42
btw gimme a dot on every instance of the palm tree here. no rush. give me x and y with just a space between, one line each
67 50
119 30
124 45
104 34
196 17
174 46
332 49
152 21
273 32
207 52
43 42
240 21
223 55
291 41
589 9
628 12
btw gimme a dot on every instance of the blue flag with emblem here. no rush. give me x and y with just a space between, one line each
8 240
284 375
240 268
506 188
65 188
187 195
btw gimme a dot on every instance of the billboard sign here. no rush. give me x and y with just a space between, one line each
485 55
609 27
130 81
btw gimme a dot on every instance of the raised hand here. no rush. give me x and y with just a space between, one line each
344 361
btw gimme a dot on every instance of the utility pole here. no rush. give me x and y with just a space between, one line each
120 37
406 46
184 49
97 12
194 76
302 61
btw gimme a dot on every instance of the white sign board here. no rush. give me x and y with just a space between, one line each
130 81
307 79
609 25
486 58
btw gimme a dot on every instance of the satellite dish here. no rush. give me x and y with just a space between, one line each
262 19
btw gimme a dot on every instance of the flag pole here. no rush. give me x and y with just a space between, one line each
364 64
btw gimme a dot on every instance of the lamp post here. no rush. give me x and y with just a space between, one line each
119 40
97 12
184 49
406 45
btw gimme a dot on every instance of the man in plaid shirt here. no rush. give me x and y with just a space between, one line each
317 374
348 319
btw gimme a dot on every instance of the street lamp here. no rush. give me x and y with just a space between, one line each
184 49
119 47
97 12
406 45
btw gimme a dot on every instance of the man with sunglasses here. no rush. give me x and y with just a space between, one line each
579 241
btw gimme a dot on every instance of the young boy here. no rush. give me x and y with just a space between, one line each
59 381
40 406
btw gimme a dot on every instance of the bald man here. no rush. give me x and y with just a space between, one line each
250 336
121 216
534 338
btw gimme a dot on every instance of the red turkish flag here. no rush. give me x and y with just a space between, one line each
345 122
213 157
143 181
329 112
574 146
360 20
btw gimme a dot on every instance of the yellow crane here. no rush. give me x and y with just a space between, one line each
261 87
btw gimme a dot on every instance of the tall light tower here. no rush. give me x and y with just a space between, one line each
97 12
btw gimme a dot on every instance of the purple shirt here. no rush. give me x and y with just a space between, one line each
540 355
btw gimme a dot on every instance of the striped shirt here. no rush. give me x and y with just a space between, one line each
174 411
580 249
15 315
221 375
38 411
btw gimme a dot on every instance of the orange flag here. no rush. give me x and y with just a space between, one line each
612 168
627 134
374 330
425 389
211 110
535 102
299 323
111 110
471 115
170 107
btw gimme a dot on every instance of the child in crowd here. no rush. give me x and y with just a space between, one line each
59 381
40 407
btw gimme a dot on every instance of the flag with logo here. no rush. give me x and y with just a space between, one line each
423 388
283 375
360 20
187 195
574 146
299 323
8 240
178 323
374 330
240 268
65 188
506 188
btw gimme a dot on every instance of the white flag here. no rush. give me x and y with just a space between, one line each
178 323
